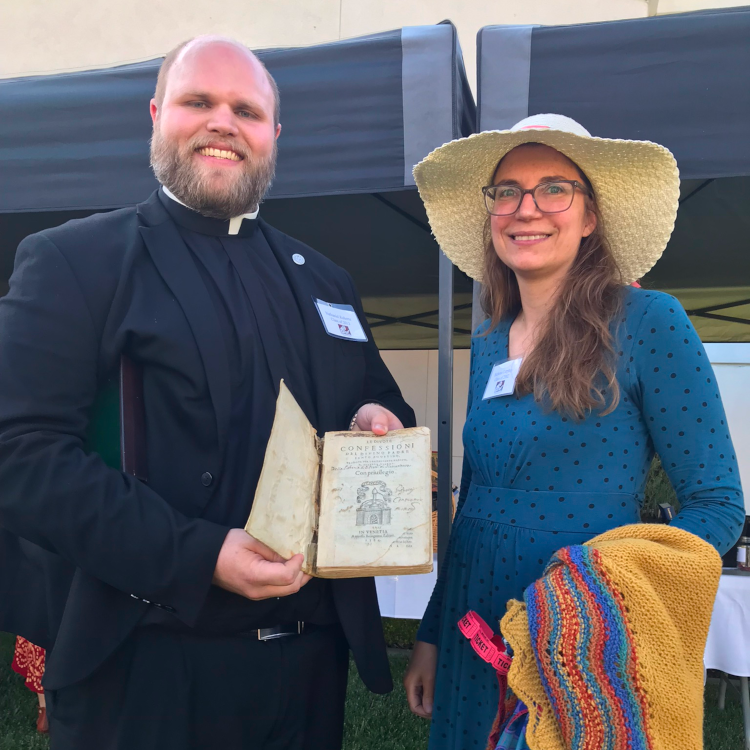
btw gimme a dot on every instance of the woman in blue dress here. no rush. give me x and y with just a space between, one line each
577 379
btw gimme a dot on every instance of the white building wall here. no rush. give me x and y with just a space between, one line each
47 36
684 6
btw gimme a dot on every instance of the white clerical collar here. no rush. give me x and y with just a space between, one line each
234 223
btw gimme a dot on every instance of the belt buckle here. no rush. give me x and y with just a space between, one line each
271 634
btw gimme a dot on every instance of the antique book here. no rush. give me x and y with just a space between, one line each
353 503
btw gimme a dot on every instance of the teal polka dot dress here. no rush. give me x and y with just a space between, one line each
535 481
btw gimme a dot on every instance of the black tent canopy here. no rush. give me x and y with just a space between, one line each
356 116
681 80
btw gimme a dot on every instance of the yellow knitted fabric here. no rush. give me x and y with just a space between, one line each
667 579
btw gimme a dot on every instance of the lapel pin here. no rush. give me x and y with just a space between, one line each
298 259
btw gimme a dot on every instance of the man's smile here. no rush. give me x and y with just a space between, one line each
217 153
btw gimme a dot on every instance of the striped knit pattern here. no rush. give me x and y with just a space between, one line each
585 654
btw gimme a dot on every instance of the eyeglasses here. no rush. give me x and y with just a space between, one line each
549 197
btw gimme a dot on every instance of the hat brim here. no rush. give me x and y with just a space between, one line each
637 187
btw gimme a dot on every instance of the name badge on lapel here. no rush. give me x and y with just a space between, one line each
340 321
502 380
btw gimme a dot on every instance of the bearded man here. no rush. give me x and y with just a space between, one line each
180 630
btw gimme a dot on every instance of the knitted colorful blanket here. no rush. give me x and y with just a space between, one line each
608 644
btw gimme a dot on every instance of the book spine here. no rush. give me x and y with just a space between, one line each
311 558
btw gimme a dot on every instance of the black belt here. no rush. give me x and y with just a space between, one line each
284 630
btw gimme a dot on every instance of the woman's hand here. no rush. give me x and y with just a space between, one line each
419 679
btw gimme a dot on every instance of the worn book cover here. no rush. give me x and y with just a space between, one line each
355 504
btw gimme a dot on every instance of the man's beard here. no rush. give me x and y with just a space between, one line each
175 169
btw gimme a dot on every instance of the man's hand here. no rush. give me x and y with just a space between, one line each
377 419
247 567
419 679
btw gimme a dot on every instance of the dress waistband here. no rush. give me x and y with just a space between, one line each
582 512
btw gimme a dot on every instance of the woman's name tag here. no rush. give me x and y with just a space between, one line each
502 381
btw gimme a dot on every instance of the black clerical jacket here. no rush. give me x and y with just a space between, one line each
80 296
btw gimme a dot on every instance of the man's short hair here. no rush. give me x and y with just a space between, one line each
173 54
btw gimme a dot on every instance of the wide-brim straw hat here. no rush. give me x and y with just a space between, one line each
636 183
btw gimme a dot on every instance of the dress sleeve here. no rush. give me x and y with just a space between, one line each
681 405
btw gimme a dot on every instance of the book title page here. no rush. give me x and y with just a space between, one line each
376 500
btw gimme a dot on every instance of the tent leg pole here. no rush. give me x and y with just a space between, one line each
445 405
477 314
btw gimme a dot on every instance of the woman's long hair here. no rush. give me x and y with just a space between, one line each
572 368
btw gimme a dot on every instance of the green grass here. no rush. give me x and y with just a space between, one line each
382 721
18 705
372 721
658 490
400 633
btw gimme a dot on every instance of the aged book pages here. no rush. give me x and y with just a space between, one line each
376 504
284 511
365 510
